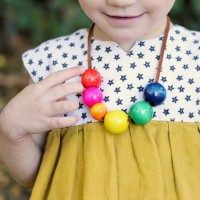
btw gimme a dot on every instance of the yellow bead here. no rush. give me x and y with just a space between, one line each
116 121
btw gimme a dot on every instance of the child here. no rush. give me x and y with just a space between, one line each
158 160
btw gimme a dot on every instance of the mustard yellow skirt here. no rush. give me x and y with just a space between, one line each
158 161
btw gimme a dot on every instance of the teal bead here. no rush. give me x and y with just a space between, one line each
141 112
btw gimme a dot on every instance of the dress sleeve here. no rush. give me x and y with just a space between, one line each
37 62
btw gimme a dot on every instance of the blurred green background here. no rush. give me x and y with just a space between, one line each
25 24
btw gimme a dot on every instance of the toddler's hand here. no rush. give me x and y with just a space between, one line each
38 107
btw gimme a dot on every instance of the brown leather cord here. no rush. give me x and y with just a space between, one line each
90 34
163 49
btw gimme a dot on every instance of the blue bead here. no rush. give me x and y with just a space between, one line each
154 94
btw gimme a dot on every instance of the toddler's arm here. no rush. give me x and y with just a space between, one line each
32 113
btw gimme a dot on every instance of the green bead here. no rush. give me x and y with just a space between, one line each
141 112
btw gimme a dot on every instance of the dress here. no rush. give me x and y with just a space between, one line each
157 161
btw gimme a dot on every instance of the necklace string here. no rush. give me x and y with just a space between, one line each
90 34
163 49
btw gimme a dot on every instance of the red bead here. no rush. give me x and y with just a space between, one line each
91 78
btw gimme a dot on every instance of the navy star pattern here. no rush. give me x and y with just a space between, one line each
125 74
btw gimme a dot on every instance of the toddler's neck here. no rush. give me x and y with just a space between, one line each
128 45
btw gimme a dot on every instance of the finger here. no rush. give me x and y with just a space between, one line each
62 90
62 99
62 107
61 76
63 122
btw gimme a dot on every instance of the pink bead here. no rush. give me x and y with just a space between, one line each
92 95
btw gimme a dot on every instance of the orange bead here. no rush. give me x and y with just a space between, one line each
98 111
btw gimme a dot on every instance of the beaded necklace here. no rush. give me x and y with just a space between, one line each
141 112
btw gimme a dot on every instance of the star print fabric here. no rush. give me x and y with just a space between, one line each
125 74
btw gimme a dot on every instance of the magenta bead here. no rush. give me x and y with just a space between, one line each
92 95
